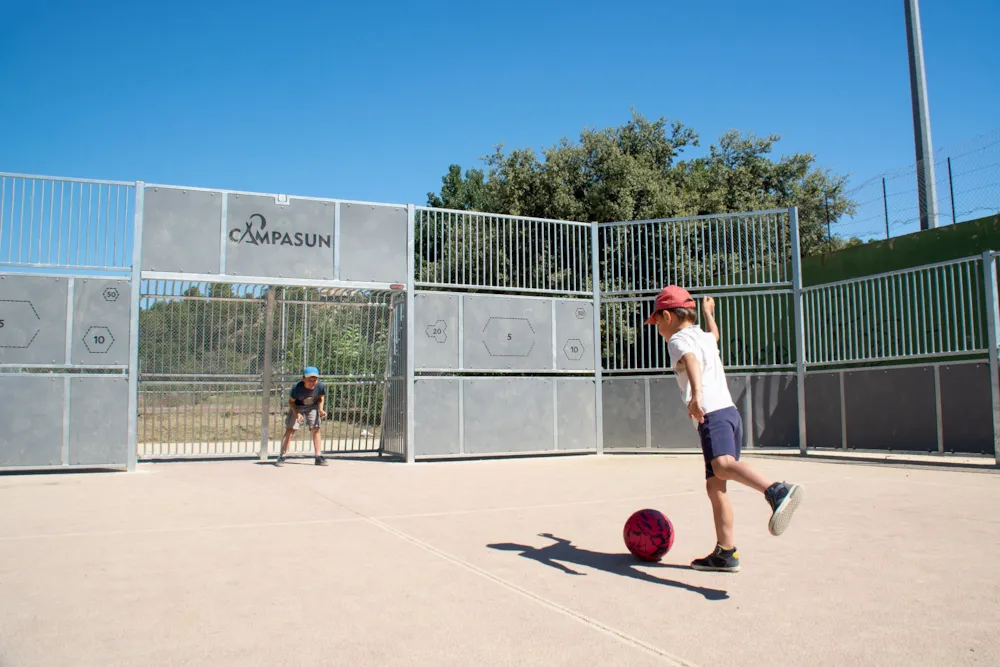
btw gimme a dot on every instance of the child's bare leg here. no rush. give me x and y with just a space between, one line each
316 440
722 511
286 440
784 498
729 469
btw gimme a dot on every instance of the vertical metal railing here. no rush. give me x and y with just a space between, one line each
50 222
799 313
993 337
410 318
742 260
930 311
492 252
393 430
215 374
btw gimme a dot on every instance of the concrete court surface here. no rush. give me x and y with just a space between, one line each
509 562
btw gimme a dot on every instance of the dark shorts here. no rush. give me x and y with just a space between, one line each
721 434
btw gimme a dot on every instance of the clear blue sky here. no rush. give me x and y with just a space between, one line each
374 100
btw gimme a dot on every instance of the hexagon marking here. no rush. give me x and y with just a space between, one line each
98 340
508 337
438 331
111 294
573 349
15 314
581 313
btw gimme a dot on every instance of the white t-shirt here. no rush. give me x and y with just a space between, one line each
714 388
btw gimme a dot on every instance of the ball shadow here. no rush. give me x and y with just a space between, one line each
563 551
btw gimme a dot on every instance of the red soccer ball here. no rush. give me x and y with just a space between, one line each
648 535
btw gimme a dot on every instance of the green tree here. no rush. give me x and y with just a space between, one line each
635 172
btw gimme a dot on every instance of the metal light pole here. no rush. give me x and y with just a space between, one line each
926 189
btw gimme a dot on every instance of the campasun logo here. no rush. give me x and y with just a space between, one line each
261 235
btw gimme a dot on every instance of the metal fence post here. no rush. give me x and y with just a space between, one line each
595 271
410 321
800 342
993 338
265 401
132 455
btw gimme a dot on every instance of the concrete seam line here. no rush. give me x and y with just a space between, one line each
555 606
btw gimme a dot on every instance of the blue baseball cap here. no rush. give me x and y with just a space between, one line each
310 372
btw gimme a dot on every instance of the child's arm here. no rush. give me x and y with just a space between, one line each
690 363
708 307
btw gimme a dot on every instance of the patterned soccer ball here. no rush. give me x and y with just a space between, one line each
648 535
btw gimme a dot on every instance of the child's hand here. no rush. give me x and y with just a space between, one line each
708 305
322 414
299 417
695 410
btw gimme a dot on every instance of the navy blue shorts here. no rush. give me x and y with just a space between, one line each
721 434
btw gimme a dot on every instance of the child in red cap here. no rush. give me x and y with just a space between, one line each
694 357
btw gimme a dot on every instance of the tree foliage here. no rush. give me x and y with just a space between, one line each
636 171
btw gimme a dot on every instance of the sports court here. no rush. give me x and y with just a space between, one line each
494 562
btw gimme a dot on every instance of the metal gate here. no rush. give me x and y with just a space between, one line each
217 361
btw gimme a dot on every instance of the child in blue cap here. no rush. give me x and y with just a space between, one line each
305 404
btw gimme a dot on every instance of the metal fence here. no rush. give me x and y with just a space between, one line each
966 178
215 358
65 319
393 433
742 260
57 223
929 311
720 251
502 253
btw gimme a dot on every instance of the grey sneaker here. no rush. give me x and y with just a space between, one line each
784 499
719 560
320 461
280 461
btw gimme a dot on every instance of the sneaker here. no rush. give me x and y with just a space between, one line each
320 461
784 499
280 461
719 560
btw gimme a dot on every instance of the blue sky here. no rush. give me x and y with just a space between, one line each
373 101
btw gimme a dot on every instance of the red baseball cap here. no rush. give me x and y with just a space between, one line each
671 296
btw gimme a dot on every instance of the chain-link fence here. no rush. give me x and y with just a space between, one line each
215 357
966 178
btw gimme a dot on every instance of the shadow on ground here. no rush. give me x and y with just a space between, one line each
563 551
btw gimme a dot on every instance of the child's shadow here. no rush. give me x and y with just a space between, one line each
625 565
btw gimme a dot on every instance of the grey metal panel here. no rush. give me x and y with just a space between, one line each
436 342
373 243
508 415
98 422
776 411
180 230
823 425
891 409
31 417
575 334
966 408
507 332
624 413
670 425
436 416
576 413
33 316
100 321
293 240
